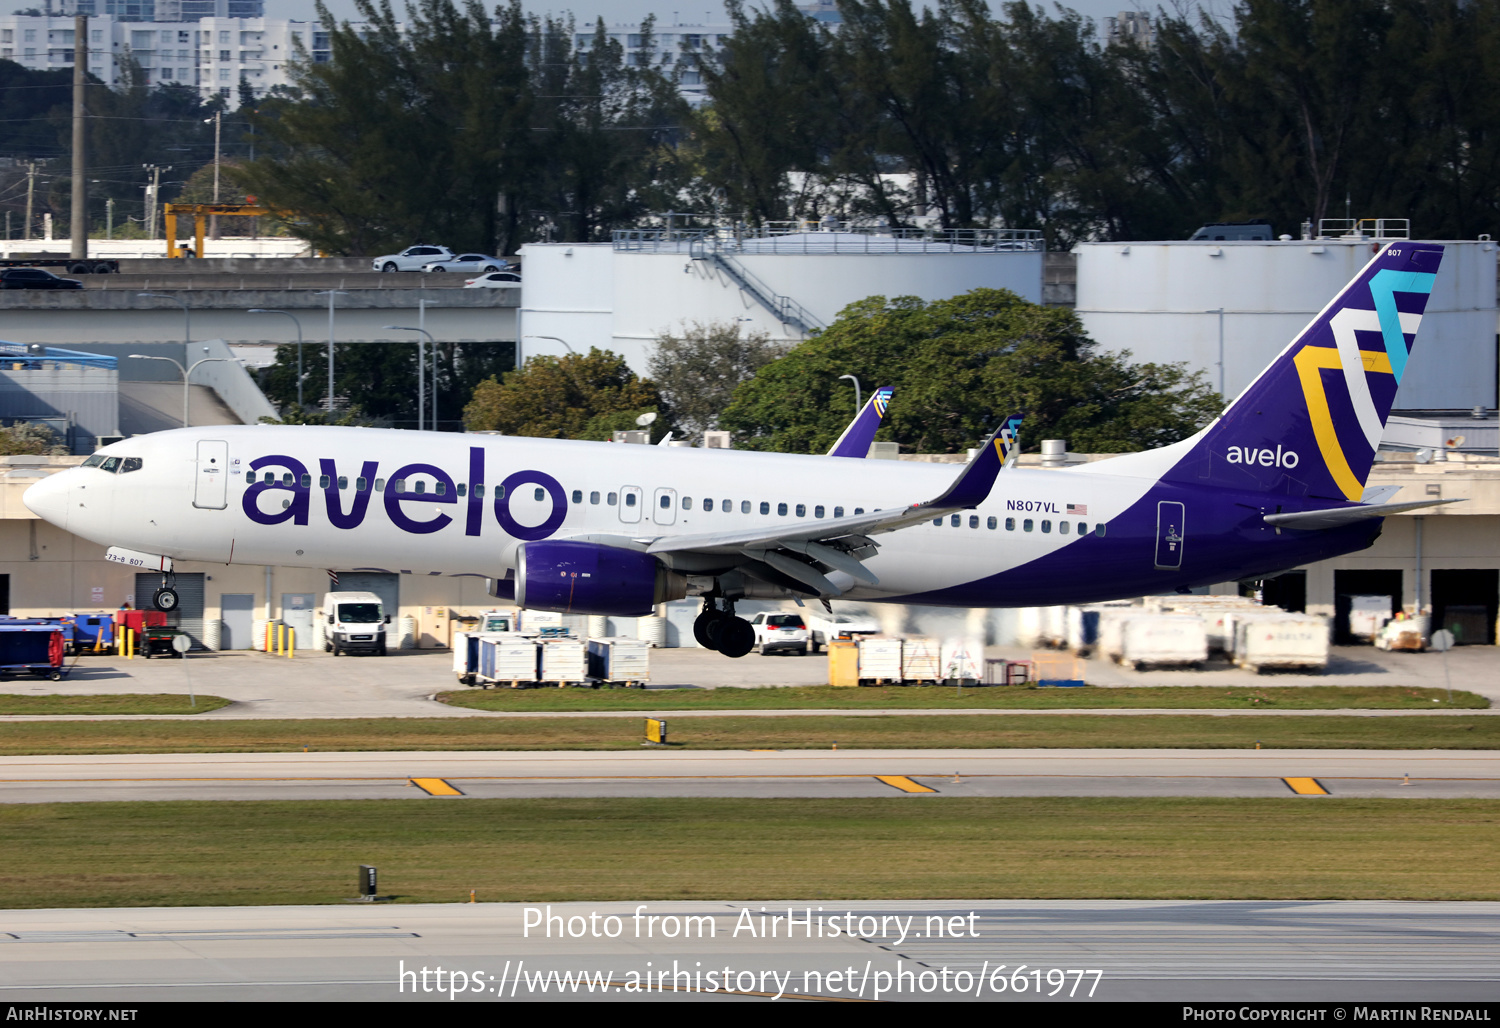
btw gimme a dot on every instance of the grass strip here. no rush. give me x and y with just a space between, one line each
816 697
122 703
1151 731
195 853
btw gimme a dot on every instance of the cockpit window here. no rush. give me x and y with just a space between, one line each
130 464
111 464
94 461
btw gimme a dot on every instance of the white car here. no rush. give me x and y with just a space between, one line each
824 628
780 632
466 263
412 258
495 280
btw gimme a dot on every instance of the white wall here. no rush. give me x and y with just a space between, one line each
1150 299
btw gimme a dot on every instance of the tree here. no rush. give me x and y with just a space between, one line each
698 371
960 365
570 397
28 437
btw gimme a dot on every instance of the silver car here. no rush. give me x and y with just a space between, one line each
467 263
495 280
412 258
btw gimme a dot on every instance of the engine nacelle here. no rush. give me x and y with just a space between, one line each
587 578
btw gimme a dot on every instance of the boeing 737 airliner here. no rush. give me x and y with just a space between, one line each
1277 480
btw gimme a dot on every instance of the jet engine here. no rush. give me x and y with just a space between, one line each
588 578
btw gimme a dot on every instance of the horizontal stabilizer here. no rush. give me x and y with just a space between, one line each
1333 517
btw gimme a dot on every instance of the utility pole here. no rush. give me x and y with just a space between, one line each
109 218
153 191
79 215
213 222
30 192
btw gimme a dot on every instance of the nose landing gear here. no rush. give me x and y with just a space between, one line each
166 597
720 630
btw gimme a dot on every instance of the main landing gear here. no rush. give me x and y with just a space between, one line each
720 630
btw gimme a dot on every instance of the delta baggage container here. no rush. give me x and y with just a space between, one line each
963 660
1112 621
618 659
1085 623
504 657
921 660
465 656
1282 640
879 659
1162 639
37 649
1368 615
564 661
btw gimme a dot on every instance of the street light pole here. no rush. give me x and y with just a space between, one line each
185 372
331 293
421 385
858 402
1220 312
187 316
264 310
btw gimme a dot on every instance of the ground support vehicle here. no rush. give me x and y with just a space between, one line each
36 649
82 266
161 641
354 623
620 661
92 633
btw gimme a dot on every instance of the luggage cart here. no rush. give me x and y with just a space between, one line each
35 649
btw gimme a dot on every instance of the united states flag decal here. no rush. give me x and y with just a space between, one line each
1078 508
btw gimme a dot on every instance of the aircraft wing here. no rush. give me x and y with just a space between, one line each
836 544
1333 517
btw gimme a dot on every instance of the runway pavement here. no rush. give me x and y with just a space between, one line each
1073 951
444 777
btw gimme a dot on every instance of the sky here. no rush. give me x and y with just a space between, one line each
632 11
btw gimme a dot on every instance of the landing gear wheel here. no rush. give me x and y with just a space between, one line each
736 637
706 628
165 598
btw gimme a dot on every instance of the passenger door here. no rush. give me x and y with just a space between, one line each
630 504
212 485
664 507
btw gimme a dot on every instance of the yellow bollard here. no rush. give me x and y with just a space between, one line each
291 643
129 643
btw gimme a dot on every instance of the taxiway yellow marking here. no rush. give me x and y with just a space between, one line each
1306 786
435 787
903 783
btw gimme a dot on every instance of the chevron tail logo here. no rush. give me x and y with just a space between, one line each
882 400
1008 442
1355 365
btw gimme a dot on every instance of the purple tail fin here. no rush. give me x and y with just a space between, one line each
1310 424
855 442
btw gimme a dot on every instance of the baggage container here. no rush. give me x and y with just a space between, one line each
1163 639
504 657
564 661
1111 645
963 661
921 660
1367 615
1281 641
465 656
618 659
880 659
35 649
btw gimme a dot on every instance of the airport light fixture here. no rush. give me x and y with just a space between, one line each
858 401
421 386
185 372
266 310
330 293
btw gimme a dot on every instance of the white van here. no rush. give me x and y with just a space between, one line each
354 623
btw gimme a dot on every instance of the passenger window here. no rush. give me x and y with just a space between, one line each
577 495
306 481
380 485
937 522
666 501
708 505
1083 528
1046 526
539 494
859 510
361 485
112 464
613 499
130 464
1099 530
781 510
991 524
461 489
343 483
249 477
323 481
398 485
802 510
744 506
1010 524
479 490
1062 528
593 498
687 503
954 520
630 499
1027 525
421 486
286 479
818 511
765 508
973 521
838 512
441 488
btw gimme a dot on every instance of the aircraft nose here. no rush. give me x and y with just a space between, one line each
48 499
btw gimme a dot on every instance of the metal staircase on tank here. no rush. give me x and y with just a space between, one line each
784 308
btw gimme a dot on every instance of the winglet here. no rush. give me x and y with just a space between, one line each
974 483
855 442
